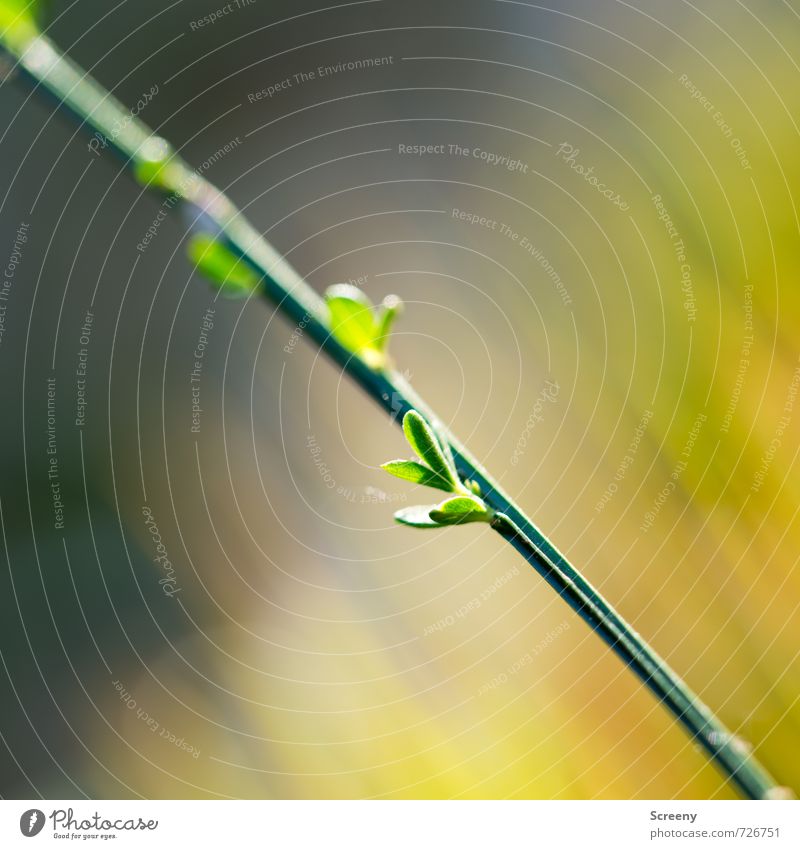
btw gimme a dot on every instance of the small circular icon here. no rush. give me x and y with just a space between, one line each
31 822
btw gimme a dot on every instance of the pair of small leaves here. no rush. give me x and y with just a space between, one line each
437 470
358 325
230 274
156 167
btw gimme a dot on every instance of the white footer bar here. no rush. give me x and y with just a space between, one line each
401 824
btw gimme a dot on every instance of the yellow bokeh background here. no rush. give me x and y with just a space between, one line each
318 650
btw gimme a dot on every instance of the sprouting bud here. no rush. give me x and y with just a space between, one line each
436 469
18 23
228 272
358 326
152 166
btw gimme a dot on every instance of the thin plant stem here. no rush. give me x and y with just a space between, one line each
153 160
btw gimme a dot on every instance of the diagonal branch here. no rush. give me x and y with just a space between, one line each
154 163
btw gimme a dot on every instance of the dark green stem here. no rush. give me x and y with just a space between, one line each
154 161
730 753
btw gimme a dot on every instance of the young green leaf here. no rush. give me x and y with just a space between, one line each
225 270
423 440
474 487
18 22
356 325
460 511
391 307
352 319
153 165
409 470
417 517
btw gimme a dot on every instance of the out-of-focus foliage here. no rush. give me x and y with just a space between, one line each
601 299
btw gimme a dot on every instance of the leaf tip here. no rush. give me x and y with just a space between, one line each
358 326
417 517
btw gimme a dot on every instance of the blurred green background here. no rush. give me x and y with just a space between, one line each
617 342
